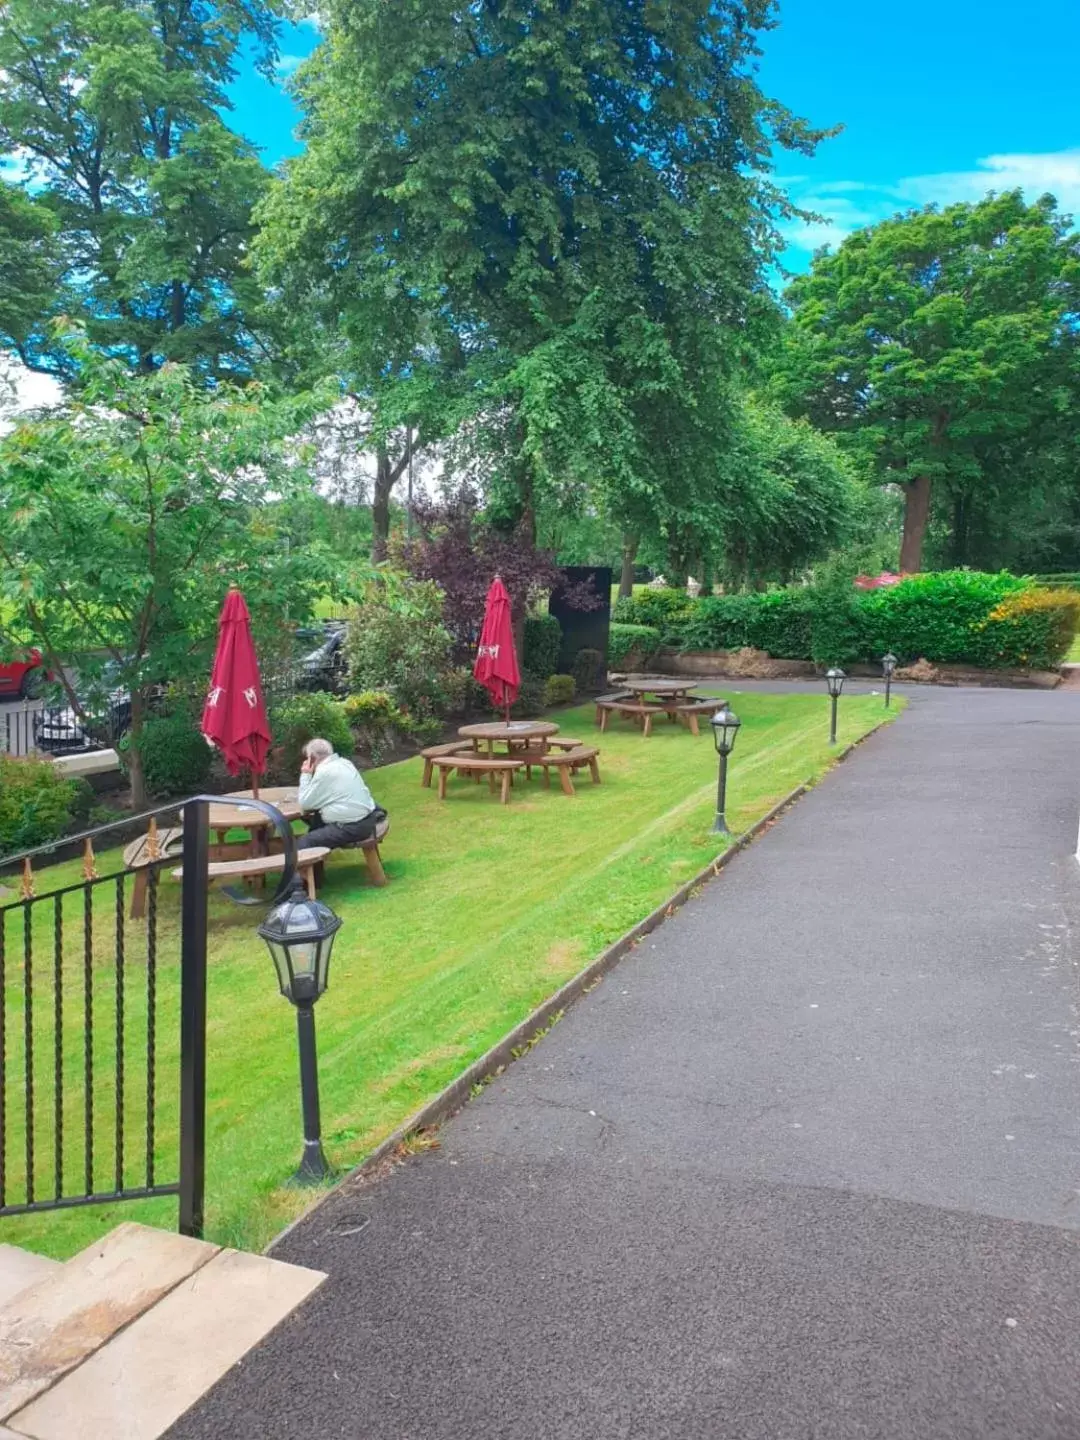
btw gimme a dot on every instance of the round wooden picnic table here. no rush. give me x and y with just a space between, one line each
514 734
225 817
664 688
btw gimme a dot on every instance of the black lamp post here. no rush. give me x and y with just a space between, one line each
299 933
888 665
834 679
725 727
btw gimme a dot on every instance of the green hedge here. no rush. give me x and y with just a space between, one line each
541 644
666 610
779 622
630 646
952 617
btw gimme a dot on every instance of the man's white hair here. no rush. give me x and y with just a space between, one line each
318 749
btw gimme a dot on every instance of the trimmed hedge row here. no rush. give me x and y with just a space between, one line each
952 617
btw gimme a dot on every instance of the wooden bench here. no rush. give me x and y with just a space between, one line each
479 765
369 847
261 865
687 711
435 752
567 762
632 709
137 857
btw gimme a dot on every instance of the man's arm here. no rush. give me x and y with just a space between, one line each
312 793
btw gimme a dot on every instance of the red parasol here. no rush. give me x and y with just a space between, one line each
496 665
234 718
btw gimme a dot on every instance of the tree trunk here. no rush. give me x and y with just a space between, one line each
134 755
959 546
629 555
916 515
380 506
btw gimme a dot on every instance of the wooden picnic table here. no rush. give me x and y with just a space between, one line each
518 736
225 817
663 689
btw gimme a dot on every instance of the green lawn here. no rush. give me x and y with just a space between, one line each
488 910
1073 657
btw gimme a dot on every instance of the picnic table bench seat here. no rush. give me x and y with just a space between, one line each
632 709
259 866
137 857
468 763
435 752
369 847
567 762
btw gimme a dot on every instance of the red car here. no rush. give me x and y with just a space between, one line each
24 677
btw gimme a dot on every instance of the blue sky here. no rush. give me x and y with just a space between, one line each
939 102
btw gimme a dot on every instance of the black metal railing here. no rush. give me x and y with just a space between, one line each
29 729
103 1025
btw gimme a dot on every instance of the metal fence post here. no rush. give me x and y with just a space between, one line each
193 1016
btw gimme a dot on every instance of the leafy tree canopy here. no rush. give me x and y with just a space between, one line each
131 508
544 225
113 107
938 340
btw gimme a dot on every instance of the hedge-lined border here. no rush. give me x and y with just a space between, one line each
517 1041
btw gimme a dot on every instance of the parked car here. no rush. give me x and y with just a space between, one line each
24 677
324 667
60 730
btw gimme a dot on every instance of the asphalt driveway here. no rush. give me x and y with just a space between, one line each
804 1167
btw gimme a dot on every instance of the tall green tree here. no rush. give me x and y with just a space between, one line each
544 227
113 108
939 341
130 508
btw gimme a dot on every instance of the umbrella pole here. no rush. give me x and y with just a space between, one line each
254 785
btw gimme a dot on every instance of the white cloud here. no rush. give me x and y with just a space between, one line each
1056 173
287 64
846 205
15 168
310 22
22 390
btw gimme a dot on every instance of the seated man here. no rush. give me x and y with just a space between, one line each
337 805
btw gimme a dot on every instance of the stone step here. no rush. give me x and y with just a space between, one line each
20 1268
137 1385
67 1314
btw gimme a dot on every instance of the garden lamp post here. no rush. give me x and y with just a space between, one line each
888 665
834 679
299 933
725 727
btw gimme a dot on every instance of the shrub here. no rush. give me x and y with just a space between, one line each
630 646
176 759
780 622
397 642
559 690
530 701
541 645
1031 628
376 722
936 617
586 667
37 803
461 692
667 610
302 717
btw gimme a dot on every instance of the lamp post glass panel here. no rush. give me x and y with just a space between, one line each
888 665
834 679
299 933
725 727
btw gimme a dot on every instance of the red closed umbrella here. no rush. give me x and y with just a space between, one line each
496 665
234 717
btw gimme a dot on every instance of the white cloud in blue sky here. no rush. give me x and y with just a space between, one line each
846 205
